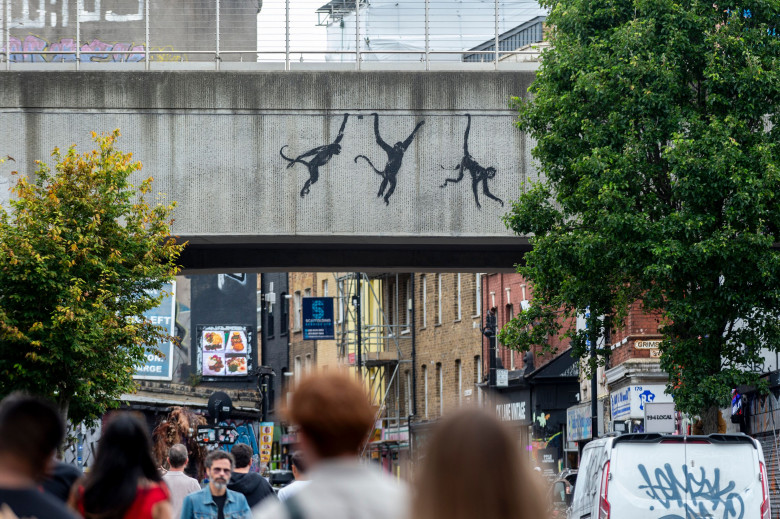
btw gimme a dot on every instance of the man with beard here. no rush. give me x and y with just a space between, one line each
216 501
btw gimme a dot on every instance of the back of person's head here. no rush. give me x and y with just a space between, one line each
31 429
219 455
124 458
242 454
177 456
473 468
299 462
333 412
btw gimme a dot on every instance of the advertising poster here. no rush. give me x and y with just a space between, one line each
266 441
157 367
318 318
224 351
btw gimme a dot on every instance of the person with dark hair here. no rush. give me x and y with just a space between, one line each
473 468
334 418
216 501
31 430
180 484
123 482
60 479
299 468
254 486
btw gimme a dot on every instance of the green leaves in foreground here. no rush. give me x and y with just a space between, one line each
79 250
657 128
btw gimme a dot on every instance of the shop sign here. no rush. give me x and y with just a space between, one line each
157 367
502 378
266 441
317 318
225 351
548 462
620 402
511 412
629 402
579 424
647 345
659 417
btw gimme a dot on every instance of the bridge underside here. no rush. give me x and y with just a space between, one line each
202 258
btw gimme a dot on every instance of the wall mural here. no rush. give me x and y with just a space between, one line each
321 156
478 173
395 154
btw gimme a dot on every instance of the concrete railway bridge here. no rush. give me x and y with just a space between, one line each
303 170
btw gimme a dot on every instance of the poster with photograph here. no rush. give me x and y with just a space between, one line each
266 441
224 351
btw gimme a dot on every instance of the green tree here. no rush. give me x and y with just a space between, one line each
79 250
657 128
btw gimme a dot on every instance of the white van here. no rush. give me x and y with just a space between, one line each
637 476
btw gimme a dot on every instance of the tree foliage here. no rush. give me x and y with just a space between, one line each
657 128
79 251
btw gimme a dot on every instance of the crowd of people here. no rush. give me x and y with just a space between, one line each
472 468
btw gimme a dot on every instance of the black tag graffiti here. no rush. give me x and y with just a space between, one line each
320 156
478 173
395 154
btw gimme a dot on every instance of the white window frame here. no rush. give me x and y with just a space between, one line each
324 288
408 310
478 361
408 393
425 389
298 304
298 373
341 301
440 369
478 295
458 305
424 301
438 302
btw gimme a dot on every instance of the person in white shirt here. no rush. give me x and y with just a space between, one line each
180 484
299 473
334 417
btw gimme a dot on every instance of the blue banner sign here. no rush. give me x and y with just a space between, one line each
318 319
154 366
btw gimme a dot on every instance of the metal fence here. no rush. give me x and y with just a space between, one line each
279 34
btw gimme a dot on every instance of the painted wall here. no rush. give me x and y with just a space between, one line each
270 157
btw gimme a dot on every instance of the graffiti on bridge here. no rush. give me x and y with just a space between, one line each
64 51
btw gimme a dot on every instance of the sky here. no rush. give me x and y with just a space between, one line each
305 35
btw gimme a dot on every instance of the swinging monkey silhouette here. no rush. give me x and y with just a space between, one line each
478 173
319 157
395 154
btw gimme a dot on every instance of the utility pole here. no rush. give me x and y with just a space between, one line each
593 338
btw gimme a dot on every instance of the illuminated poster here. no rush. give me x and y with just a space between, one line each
266 441
224 351
156 367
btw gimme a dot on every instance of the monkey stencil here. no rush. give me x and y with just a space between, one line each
478 173
319 157
395 154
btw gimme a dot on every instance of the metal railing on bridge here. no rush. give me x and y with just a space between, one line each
271 34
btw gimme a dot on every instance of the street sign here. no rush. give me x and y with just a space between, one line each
318 319
502 377
659 417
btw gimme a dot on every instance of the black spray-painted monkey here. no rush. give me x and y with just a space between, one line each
319 157
395 154
478 173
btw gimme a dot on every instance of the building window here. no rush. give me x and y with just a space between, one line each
437 303
510 313
342 295
459 371
425 389
408 393
284 307
269 322
408 303
307 367
307 292
478 377
297 310
440 387
477 307
424 287
298 369
458 310
324 288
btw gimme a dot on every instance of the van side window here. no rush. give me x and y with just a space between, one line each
583 497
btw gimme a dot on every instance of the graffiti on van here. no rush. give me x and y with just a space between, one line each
705 494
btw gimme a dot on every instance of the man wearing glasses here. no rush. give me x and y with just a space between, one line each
216 501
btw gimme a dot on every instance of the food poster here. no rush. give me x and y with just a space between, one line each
225 351
266 441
